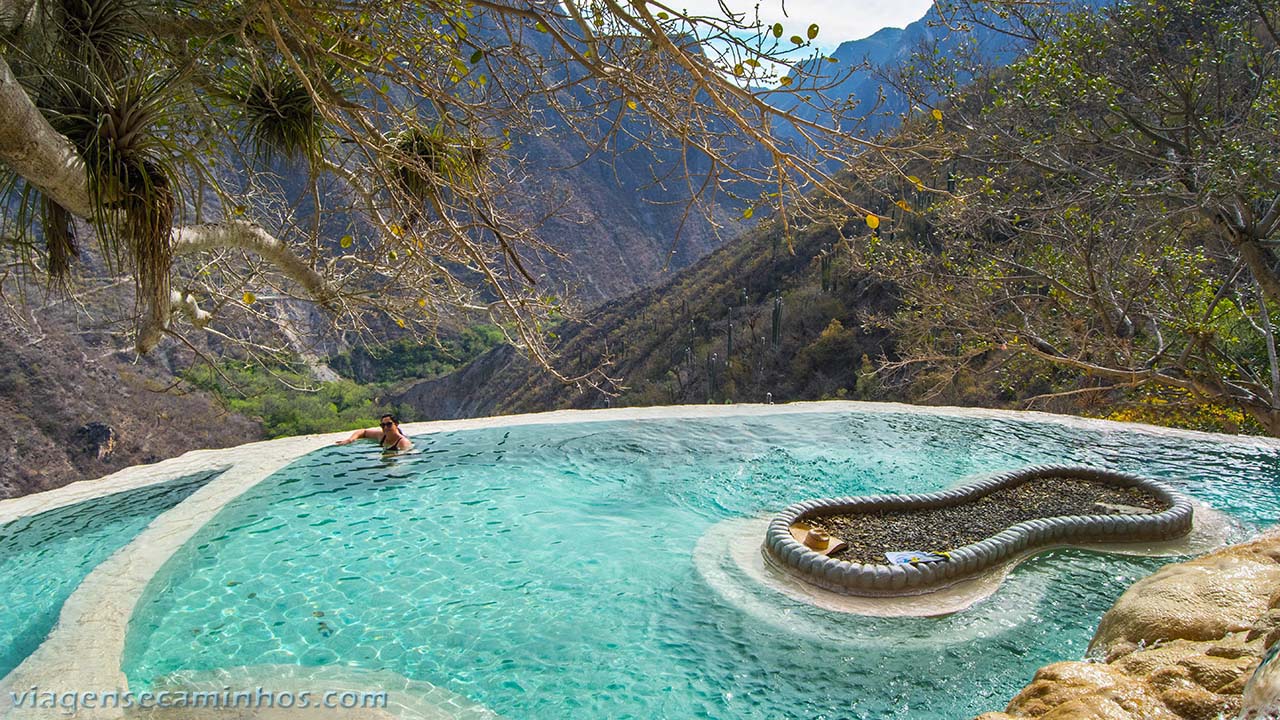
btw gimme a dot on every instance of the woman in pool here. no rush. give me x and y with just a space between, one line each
387 434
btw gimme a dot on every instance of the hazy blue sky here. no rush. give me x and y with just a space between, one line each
839 20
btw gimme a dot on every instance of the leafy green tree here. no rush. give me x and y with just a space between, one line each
1114 209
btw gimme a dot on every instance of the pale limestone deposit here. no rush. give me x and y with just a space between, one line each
1178 645
86 647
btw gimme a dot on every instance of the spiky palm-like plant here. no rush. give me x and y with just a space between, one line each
130 167
99 31
59 241
279 112
425 159
71 46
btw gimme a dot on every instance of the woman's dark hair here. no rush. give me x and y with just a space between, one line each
389 415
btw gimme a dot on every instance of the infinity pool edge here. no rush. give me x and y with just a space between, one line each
86 648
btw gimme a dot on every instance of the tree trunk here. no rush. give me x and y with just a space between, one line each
41 155
1261 266
1268 418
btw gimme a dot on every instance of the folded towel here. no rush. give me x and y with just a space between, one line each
911 557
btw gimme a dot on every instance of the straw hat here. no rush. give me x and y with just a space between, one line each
817 539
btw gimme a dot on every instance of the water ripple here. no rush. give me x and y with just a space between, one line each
545 571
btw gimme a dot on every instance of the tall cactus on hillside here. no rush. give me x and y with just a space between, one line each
776 336
728 341
712 362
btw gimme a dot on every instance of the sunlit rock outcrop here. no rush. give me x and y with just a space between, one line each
1178 645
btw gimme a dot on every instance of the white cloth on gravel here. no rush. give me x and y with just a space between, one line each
910 557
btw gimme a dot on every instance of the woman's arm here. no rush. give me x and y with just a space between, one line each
374 433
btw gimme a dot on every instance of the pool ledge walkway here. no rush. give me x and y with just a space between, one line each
84 651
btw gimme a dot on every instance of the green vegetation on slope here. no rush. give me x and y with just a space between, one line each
289 402
408 359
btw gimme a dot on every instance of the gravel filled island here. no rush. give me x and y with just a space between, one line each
871 534
894 544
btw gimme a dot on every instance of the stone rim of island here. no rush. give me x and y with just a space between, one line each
1018 541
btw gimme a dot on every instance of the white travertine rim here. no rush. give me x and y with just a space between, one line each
86 647
142 475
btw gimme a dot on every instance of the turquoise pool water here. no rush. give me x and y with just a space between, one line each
546 571
44 557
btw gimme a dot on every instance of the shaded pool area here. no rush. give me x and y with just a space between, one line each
44 557
546 571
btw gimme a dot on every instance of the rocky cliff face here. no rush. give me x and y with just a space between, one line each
752 321
72 409
864 66
1180 644
618 232
454 395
